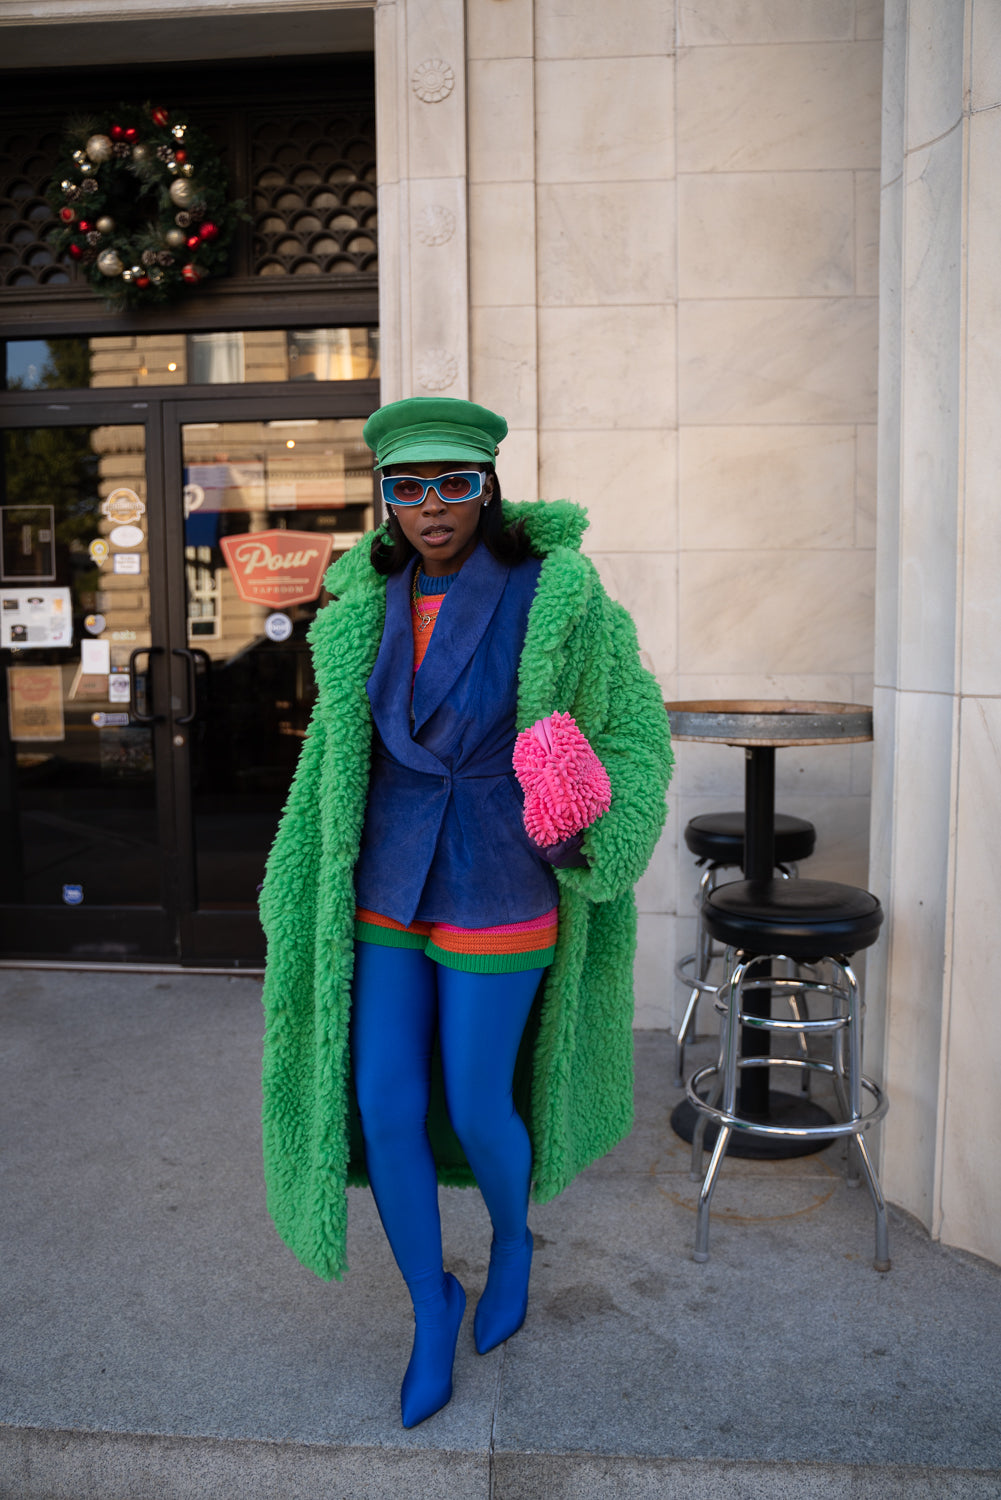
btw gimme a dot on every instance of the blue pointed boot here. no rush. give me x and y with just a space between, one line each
427 1385
502 1307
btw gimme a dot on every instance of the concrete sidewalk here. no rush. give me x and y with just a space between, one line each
159 1341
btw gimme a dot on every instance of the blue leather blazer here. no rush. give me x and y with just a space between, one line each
444 838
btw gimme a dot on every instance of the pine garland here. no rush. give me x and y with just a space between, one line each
141 197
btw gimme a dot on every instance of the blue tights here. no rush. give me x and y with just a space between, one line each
400 999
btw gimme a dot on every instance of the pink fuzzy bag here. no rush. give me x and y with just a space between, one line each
566 787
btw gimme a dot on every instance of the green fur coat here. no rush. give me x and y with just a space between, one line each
574 1078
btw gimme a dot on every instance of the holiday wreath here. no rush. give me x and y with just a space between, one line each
141 199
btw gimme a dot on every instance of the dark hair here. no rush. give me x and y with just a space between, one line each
508 544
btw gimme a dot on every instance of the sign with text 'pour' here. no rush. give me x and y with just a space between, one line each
277 568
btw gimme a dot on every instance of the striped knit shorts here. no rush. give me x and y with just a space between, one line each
475 950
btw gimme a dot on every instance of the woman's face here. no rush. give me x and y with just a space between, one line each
443 535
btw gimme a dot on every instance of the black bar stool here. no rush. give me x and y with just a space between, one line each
717 841
810 926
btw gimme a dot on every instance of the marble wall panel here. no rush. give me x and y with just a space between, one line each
518 462
656 887
865 486
502 244
867 233
653 979
930 394
605 119
761 612
627 481
494 30
590 253
593 28
981 602
868 19
435 126
763 487
911 853
787 107
985 55
795 232
888 445
970 1169
778 360
503 362
646 586
607 367
934 93
501 122
714 22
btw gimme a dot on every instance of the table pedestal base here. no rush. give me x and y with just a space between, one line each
783 1109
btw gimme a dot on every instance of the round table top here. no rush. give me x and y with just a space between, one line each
760 722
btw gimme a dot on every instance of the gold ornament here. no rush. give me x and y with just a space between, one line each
182 192
188 169
80 157
178 131
99 148
140 152
127 275
175 237
104 225
109 263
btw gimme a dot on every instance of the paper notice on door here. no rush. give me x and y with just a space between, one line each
95 656
118 687
35 618
35 703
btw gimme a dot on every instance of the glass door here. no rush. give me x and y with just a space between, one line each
260 506
83 810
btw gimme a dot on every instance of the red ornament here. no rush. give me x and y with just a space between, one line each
85 226
208 231
67 215
192 242
131 133
159 115
181 155
117 133
191 272
75 252
142 281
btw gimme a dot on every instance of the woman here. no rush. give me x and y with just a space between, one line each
413 926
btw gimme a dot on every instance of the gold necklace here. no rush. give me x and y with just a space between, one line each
423 619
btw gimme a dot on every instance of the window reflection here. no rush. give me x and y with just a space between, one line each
159 359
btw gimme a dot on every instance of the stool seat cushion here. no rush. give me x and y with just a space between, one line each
802 918
720 837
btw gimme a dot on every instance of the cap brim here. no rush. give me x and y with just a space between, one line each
433 450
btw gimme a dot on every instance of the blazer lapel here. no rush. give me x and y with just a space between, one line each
465 615
389 685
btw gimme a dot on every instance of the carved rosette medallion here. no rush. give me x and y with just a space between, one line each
435 224
437 369
433 81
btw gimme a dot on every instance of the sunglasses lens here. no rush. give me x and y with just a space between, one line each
455 486
408 491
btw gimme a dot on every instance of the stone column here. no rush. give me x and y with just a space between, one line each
935 1025
421 132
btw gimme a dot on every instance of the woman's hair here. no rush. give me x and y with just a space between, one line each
509 544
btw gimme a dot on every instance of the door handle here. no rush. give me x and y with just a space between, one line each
149 651
189 662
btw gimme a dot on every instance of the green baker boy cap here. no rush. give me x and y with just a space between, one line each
429 429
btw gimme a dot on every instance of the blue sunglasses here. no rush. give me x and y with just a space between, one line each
408 489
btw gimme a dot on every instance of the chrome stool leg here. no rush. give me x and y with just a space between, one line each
733 988
835 978
700 960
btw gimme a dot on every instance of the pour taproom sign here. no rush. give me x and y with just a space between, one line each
275 568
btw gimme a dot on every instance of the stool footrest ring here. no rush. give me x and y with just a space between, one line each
787 1132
